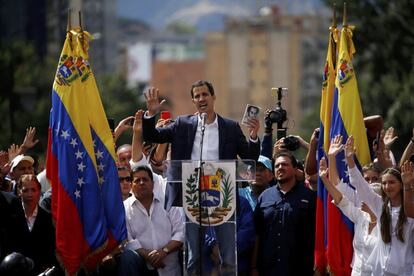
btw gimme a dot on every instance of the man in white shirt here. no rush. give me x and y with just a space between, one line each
154 234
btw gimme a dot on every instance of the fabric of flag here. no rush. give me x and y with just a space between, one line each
86 198
347 120
328 87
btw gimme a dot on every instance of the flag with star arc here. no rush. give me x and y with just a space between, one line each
86 199
334 232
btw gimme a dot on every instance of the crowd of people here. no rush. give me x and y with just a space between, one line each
275 213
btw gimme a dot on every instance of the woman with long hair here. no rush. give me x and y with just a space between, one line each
394 252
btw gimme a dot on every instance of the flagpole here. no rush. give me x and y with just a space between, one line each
332 29
80 20
344 19
69 25
81 28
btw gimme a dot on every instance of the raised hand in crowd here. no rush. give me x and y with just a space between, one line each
409 150
123 125
324 172
335 147
137 143
29 140
390 137
154 104
4 163
350 152
160 152
382 153
13 151
407 176
311 166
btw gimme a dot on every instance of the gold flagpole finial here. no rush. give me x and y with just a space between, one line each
344 19
334 15
69 25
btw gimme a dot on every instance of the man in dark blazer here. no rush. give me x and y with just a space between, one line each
223 138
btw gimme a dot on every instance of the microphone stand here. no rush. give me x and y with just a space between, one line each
200 174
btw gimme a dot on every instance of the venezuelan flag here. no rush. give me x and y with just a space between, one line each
86 199
347 119
328 87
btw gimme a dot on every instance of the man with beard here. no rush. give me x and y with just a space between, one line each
285 224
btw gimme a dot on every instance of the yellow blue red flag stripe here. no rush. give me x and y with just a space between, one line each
328 86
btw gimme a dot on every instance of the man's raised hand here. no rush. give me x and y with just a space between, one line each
153 101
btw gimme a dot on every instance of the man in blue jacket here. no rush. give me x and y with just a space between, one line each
223 138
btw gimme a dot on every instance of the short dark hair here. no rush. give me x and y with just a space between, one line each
287 154
202 83
143 168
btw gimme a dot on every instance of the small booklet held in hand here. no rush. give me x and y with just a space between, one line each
251 112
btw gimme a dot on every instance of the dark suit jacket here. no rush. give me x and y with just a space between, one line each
13 236
40 246
181 133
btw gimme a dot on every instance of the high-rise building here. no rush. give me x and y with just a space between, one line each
254 54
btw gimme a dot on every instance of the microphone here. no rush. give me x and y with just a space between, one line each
203 117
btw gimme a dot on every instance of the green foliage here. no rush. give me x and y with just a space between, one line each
227 191
191 191
180 27
25 100
119 101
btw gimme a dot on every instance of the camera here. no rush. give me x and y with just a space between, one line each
291 143
277 115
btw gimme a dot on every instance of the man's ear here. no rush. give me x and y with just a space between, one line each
214 97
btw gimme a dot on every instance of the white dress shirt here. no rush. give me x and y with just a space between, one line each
363 242
210 142
31 220
351 194
155 230
396 257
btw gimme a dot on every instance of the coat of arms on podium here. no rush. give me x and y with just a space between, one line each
215 203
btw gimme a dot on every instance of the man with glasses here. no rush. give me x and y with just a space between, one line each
124 176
